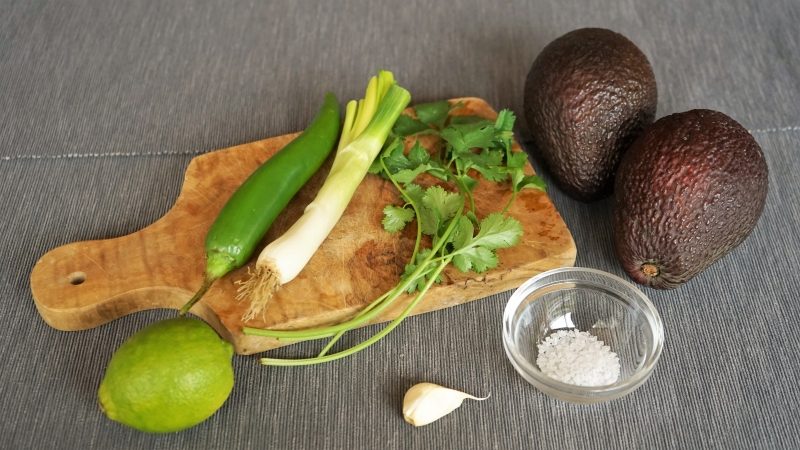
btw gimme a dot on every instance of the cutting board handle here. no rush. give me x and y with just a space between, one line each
85 284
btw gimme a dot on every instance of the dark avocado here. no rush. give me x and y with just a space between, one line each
588 95
687 192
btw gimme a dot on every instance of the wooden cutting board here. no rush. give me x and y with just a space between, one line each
86 284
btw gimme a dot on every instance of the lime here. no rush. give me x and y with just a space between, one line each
169 376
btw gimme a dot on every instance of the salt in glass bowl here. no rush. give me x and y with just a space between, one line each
590 300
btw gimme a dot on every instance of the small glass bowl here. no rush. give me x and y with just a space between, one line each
588 300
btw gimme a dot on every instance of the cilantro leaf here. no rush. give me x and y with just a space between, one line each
416 285
462 235
477 135
386 153
479 259
517 175
464 137
517 160
435 208
395 218
414 192
498 231
394 157
489 163
405 168
492 173
462 262
408 175
466 182
443 203
376 168
495 231
488 157
438 171
504 130
428 220
418 154
505 120
531 181
453 137
434 113
407 126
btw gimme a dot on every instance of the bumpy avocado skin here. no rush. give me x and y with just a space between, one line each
687 192
588 95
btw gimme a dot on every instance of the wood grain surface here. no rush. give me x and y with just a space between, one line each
86 284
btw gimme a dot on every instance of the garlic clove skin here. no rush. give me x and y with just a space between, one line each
428 402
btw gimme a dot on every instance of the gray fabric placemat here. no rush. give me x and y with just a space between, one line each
104 104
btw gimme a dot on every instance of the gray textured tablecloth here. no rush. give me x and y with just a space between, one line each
103 104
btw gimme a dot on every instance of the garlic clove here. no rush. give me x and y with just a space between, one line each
427 402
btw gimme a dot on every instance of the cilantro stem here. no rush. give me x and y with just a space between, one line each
361 318
514 192
465 190
381 304
411 202
364 311
375 338
331 343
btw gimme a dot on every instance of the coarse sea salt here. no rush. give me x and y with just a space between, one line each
578 358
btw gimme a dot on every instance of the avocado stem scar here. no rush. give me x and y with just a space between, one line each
650 270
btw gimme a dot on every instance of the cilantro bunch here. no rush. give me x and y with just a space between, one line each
470 146
448 229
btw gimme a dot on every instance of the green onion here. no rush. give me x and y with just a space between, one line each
367 125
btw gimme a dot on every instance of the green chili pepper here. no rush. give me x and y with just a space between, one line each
250 211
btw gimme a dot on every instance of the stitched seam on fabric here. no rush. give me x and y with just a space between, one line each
794 128
776 130
99 155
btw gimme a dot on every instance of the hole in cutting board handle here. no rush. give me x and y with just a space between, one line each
76 278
